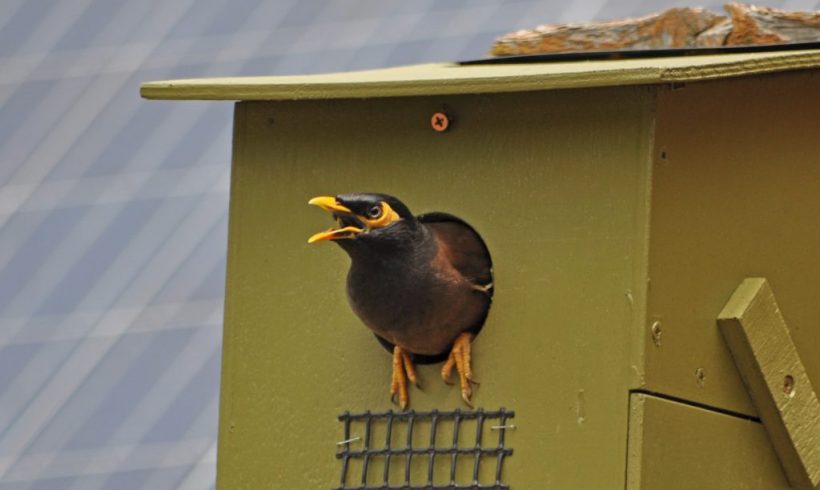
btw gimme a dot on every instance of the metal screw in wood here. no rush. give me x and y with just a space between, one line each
700 374
439 122
656 331
788 385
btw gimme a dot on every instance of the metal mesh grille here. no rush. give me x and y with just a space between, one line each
424 450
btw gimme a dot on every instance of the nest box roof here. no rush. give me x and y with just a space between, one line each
454 78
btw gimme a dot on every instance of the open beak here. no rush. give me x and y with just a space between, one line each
330 205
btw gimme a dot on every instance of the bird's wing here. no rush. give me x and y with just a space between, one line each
468 252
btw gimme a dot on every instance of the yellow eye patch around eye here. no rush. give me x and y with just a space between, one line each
388 216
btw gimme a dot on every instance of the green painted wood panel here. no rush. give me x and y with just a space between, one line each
736 193
557 183
677 446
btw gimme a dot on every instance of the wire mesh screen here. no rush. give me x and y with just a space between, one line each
434 450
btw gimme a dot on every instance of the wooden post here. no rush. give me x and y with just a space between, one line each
769 364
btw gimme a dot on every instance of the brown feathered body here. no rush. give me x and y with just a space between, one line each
420 283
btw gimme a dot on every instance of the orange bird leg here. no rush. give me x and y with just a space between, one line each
403 370
448 366
410 369
460 357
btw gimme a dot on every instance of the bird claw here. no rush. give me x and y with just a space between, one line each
466 399
409 369
447 368
403 370
460 359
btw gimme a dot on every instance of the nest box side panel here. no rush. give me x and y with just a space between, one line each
736 194
557 185
676 446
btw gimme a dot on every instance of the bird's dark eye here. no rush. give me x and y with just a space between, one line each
375 212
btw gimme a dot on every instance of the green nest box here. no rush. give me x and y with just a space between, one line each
623 201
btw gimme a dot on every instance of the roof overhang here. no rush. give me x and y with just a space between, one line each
453 78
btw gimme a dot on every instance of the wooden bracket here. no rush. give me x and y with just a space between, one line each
765 355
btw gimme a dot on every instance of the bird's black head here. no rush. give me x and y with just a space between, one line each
365 219
375 207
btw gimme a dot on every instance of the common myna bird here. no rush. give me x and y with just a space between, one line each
422 284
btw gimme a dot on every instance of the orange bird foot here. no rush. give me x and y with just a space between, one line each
460 358
403 370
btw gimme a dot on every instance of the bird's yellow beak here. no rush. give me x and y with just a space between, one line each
330 205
